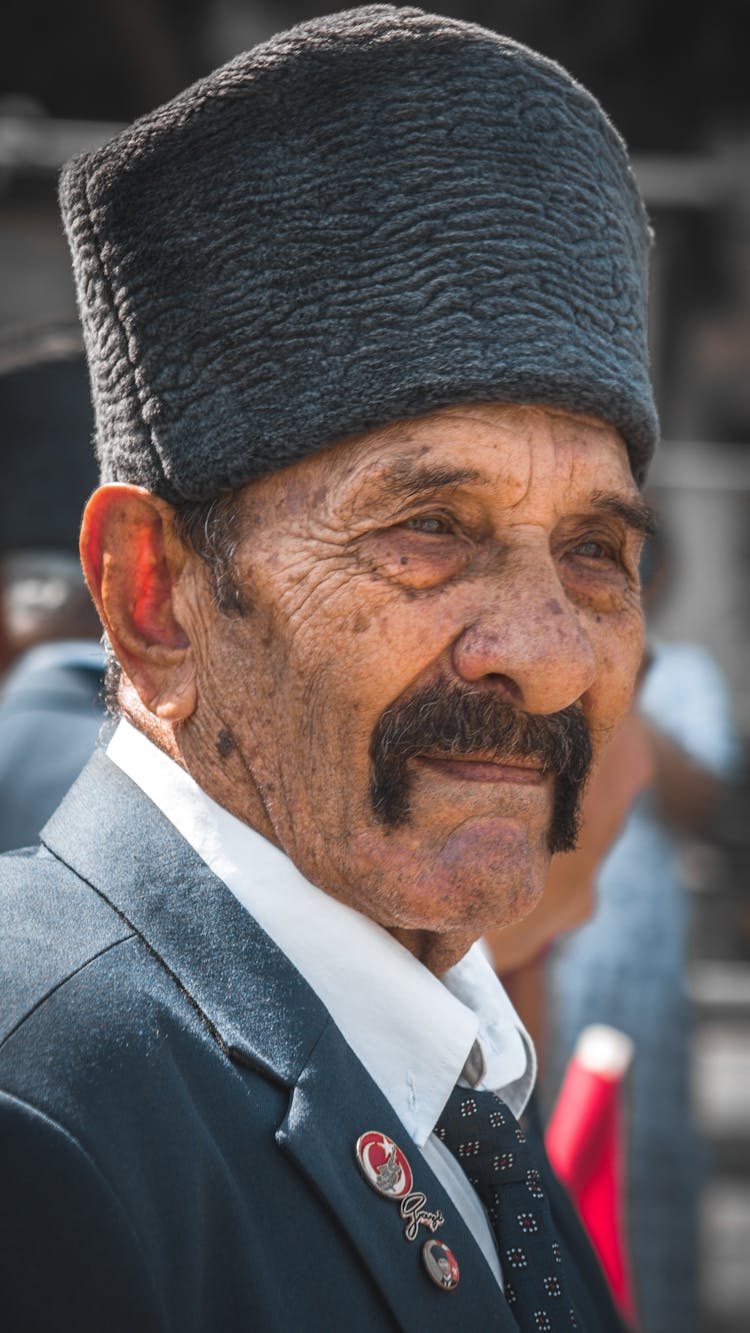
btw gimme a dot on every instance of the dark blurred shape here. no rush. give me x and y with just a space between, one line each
49 470
46 427
112 59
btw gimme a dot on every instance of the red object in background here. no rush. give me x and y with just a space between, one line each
585 1144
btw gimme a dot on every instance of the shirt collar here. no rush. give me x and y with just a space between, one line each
412 1031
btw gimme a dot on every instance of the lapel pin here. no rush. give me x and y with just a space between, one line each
385 1167
441 1265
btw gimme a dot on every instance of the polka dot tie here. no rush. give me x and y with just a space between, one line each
485 1137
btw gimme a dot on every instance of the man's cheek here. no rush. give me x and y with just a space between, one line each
607 711
619 656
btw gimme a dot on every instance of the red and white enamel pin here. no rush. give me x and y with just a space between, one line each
386 1168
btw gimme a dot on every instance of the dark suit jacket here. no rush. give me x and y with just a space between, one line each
179 1112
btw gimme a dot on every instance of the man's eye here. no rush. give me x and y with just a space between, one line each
429 523
592 550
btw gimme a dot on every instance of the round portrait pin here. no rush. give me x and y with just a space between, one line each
441 1265
383 1165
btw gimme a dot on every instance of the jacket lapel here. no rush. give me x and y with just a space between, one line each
251 998
263 1013
325 1120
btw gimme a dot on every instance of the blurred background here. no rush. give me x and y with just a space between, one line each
673 75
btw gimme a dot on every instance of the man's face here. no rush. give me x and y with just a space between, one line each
485 553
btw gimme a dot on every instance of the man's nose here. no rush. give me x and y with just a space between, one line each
528 641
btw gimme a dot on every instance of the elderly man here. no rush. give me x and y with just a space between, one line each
365 319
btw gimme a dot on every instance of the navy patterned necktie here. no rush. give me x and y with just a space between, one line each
485 1137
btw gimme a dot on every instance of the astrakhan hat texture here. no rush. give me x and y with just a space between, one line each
369 217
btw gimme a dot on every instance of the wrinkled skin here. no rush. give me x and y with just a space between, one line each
473 545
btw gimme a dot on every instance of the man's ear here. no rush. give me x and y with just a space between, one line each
133 562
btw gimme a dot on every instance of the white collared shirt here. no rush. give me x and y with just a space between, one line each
411 1030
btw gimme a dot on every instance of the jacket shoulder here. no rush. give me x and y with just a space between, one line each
54 923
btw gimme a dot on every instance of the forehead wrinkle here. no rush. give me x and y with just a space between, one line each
407 472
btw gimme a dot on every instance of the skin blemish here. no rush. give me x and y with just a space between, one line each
360 623
404 560
224 744
296 497
554 607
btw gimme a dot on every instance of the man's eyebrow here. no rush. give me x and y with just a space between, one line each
636 513
405 478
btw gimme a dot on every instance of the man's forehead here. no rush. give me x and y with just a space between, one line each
471 444
511 416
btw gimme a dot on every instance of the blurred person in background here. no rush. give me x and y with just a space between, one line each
51 690
627 966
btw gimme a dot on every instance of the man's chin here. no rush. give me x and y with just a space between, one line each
485 873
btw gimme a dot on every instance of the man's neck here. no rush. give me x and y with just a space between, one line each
436 952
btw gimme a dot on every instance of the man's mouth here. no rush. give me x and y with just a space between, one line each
479 769
465 735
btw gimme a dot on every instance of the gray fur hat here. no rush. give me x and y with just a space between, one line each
366 218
